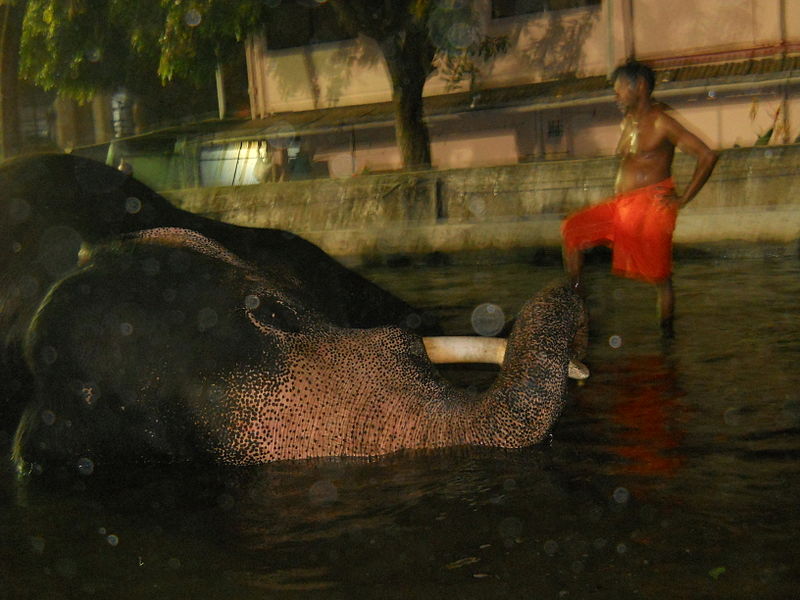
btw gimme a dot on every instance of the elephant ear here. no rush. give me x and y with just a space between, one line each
124 349
187 238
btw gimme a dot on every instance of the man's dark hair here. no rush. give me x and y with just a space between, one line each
634 70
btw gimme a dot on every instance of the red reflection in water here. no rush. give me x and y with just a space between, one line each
650 414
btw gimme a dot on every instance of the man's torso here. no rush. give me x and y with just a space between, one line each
646 152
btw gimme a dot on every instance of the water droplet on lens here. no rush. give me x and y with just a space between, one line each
323 492
477 206
151 266
112 540
550 547
37 543
49 355
85 466
18 211
488 319
462 35
133 205
252 301
413 321
621 495
206 319
615 341
280 134
732 417
341 165
510 528
48 417
192 17
58 249
126 329
599 543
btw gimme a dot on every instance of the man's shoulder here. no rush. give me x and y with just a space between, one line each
663 117
661 106
659 110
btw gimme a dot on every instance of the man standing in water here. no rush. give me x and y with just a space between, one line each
639 220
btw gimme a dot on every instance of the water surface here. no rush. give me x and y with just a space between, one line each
673 473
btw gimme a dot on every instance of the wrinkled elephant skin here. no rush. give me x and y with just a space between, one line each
151 334
52 205
167 346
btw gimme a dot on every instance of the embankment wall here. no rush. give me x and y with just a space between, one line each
752 196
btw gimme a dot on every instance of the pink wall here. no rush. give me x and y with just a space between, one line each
581 42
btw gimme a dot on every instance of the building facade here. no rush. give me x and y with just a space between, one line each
728 67
320 102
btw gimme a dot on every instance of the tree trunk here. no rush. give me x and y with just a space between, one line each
10 32
408 58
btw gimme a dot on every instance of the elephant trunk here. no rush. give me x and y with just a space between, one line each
529 394
368 392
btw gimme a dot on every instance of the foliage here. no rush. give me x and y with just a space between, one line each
79 46
456 66
200 33
416 37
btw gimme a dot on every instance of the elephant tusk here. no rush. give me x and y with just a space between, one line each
473 349
465 349
577 370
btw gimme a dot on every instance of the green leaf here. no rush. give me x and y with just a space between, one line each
716 572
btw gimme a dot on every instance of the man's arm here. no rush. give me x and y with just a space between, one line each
689 143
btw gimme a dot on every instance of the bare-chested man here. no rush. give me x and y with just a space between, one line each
639 220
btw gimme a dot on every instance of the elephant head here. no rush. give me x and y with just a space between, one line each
52 205
168 346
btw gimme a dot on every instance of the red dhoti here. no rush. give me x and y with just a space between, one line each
636 224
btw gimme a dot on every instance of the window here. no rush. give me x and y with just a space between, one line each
510 8
555 129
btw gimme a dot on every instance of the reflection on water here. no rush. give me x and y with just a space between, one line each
647 412
672 473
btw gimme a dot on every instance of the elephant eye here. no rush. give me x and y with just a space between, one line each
272 313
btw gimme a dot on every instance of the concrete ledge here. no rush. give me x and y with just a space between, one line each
751 198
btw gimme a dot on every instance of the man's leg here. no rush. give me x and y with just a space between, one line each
581 231
573 265
666 306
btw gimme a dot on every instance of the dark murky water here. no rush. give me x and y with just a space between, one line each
673 473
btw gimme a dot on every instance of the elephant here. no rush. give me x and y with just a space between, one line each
167 345
52 205
135 331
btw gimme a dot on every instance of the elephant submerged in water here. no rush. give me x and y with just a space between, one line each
52 205
169 343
